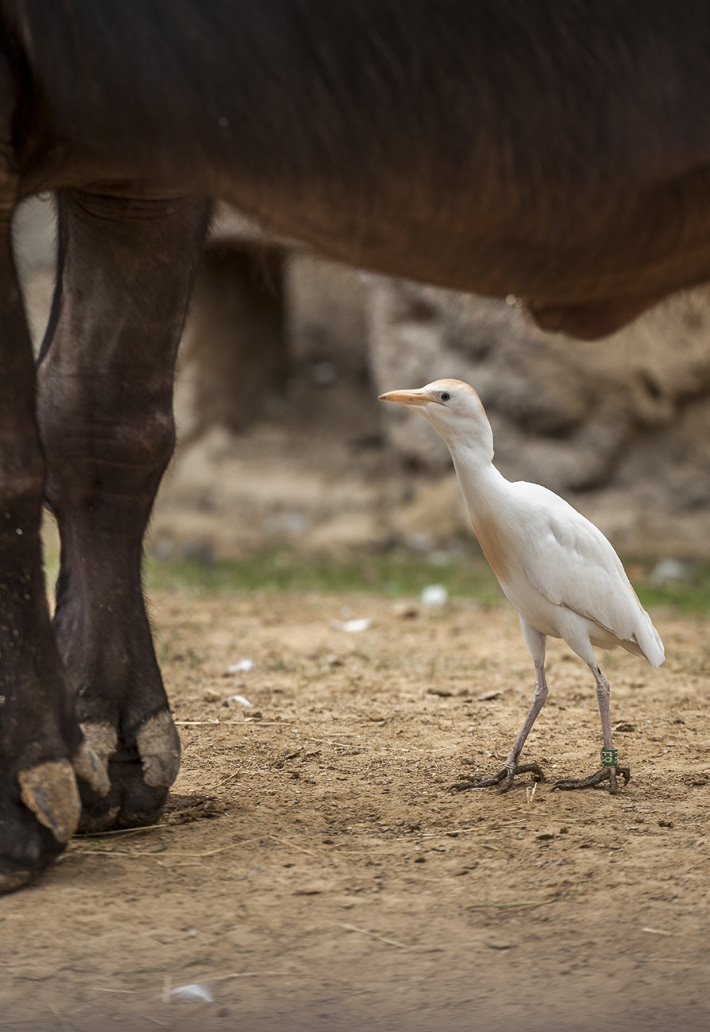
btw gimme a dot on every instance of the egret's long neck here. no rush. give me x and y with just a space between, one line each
484 490
480 482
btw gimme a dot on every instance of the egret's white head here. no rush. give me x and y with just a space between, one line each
454 410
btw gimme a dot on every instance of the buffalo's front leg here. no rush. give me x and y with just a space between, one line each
41 746
126 269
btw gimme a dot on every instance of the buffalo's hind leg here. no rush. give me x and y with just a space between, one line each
126 270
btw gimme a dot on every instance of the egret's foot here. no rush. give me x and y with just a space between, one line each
504 778
596 780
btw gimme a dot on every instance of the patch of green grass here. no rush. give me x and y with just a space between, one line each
51 567
392 575
687 597
389 575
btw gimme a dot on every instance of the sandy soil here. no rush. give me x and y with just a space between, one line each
314 871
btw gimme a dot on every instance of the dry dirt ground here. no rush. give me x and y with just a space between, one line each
314 870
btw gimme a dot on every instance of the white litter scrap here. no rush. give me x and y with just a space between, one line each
353 626
242 667
195 992
240 700
669 570
434 595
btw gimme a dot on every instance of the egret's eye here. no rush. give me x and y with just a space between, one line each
445 396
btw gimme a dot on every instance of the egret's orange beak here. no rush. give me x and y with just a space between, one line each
413 397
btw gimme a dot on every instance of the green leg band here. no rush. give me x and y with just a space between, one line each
610 757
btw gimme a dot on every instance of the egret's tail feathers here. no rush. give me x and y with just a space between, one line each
649 641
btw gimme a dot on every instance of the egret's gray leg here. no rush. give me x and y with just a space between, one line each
603 694
608 772
536 644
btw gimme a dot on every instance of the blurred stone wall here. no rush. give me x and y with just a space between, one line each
620 426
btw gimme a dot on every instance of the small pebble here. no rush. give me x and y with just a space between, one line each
240 700
353 626
242 667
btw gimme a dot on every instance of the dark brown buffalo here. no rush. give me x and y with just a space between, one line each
556 150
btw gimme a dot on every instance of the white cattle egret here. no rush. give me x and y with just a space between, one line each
557 568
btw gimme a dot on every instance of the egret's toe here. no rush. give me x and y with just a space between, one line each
503 778
596 780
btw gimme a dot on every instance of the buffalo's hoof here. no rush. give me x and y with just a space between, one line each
37 821
139 774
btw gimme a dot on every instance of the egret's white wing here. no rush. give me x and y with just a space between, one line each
570 562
